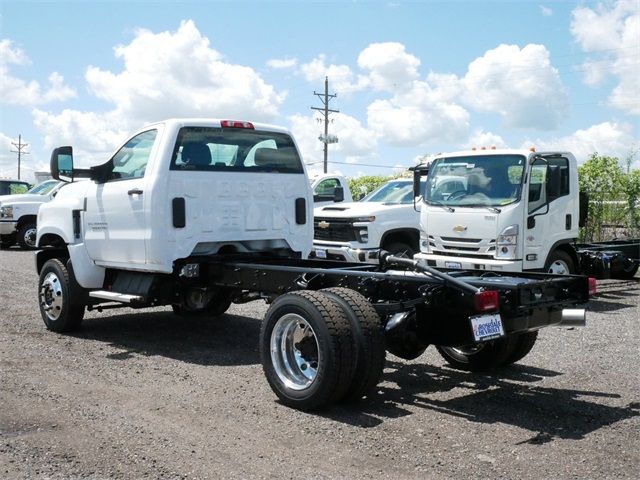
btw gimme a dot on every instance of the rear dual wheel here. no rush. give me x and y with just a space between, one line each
319 348
484 356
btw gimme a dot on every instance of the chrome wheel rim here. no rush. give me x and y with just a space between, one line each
295 354
559 267
51 297
30 237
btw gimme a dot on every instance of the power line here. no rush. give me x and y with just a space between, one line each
19 146
325 98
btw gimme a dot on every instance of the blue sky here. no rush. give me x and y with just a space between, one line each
412 78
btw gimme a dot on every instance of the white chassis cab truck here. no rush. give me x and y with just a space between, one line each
199 213
386 219
18 214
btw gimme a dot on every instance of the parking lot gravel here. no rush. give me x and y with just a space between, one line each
147 394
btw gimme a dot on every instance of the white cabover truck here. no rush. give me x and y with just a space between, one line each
198 213
512 211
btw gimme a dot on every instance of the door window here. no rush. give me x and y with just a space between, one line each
537 185
131 160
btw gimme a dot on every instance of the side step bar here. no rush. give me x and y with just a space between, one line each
116 297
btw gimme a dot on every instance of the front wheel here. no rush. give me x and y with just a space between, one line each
400 249
560 263
58 297
306 348
627 272
27 236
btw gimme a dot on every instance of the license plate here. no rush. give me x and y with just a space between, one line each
487 327
457 265
321 253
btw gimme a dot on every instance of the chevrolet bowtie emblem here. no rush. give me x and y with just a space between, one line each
459 228
323 224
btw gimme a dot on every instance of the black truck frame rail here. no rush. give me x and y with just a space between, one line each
612 259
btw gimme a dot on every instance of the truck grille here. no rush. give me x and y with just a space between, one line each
462 247
338 230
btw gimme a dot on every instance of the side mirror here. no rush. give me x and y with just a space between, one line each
338 194
416 183
61 164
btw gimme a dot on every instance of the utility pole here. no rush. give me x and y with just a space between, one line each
20 147
326 138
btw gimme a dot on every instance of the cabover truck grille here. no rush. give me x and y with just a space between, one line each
334 230
462 247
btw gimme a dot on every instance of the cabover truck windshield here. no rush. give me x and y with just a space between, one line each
198 214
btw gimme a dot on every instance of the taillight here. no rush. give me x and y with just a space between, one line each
236 124
593 286
487 300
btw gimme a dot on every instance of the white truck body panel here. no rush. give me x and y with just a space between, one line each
128 223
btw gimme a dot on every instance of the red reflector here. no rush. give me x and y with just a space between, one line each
236 124
487 300
593 286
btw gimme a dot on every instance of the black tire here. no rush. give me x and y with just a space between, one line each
7 241
27 236
60 298
217 303
560 262
400 249
368 336
627 272
523 343
480 356
306 348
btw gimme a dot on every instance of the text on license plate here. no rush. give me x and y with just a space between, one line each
321 253
487 327
452 265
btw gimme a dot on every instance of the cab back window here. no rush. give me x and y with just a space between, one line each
234 150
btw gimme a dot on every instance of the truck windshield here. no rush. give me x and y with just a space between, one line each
393 192
235 150
475 181
43 188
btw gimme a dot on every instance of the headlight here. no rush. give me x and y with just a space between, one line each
6 212
372 218
507 243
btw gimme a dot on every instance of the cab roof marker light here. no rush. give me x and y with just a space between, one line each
236 124
532 149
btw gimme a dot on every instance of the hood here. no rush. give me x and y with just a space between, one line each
23 198
357 209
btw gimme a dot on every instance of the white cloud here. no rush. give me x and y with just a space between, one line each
611 33
355 142
608 138
519 84
15 91
546 11
480 138
390 67
166 74
341 78
282 63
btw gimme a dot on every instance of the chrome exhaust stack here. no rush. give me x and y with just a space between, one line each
573 317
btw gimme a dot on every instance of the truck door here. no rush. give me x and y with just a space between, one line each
114 221
550 214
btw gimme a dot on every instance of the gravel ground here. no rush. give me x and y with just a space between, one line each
145 394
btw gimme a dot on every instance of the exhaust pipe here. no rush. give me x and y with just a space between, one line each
573 317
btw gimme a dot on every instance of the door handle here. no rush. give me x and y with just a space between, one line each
135 191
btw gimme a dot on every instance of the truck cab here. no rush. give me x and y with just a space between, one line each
330 188
501 210
178 189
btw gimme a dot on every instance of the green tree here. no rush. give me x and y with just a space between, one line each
603 179
366 184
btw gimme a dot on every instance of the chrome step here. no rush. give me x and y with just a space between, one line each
115 296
